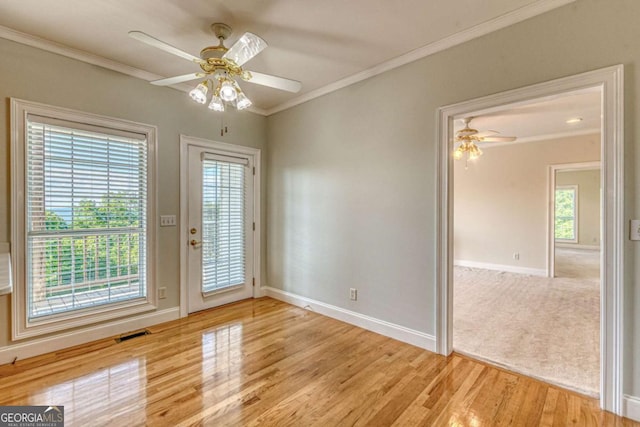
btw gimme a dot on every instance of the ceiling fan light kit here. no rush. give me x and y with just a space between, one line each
470 148
468 139
220 66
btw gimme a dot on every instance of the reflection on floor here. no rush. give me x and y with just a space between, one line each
542 327
266 363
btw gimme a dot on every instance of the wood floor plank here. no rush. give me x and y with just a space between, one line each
263 362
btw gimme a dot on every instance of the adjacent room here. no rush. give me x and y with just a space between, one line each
526 240
329 213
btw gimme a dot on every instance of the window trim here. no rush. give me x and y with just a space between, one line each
21 326
575 212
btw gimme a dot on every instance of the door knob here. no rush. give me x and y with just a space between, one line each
194 242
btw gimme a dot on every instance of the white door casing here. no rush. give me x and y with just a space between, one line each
196 156
610 80
220 194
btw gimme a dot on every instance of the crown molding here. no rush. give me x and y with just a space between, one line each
70 52
476 31
479 30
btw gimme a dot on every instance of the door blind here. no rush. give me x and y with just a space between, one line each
86 210
223 224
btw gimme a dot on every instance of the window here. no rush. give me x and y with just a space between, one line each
84 227
566 213
223 224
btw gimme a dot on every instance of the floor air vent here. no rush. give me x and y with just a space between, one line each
134 334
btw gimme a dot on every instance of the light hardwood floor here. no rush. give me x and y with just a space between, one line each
264 362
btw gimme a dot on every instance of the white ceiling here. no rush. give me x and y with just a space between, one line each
324 44
542 118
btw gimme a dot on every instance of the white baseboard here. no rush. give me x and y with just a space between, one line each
577 246
382 327
40 346
500 267
631 407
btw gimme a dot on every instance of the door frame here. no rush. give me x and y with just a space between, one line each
551 238
224 149
611 82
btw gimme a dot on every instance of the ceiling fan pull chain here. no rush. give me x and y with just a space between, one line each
223 128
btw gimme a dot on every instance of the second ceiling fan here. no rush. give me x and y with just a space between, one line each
219 66
468 138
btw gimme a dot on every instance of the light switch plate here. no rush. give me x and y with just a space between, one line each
167 220
634 229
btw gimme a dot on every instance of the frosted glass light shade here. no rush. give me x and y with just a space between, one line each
228 92
243 101
199 93
216 104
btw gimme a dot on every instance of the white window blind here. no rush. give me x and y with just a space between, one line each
86 210
223 224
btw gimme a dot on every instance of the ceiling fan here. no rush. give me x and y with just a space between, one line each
468 137
219 67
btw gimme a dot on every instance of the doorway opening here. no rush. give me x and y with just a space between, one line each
507 310
610 143
575 217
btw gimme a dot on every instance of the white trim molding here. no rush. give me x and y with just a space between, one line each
501 267
382 327
40 346
631 407
528 11
228 149
610 81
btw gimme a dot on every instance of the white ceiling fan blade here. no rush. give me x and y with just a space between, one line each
275 82
486 133
499 139
177 79
248 46
152 41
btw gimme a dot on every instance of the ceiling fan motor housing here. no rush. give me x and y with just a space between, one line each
222 32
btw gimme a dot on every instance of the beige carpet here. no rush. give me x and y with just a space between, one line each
544 328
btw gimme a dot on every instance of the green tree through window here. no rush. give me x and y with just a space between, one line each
565 213
86 259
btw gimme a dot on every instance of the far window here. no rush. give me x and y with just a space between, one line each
566 220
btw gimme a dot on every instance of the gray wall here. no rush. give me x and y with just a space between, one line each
35 75
352 178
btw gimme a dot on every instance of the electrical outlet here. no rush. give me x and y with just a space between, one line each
162 293
167 220
353 294
516 255
634 229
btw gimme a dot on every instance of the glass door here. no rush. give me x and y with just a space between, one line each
220 229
